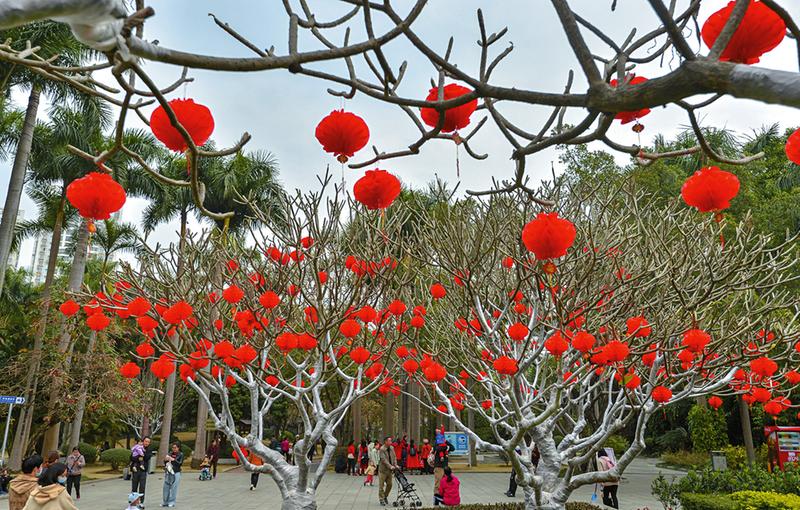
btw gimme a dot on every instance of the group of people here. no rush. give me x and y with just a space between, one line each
391 457
139 467
42 484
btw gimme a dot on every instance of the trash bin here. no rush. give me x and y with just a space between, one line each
152 467
718 461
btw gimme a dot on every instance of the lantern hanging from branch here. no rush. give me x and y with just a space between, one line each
793 147
710 190
628 117
454 118
761 30
548 237
377 189
96 196
195 118
342 134
130 370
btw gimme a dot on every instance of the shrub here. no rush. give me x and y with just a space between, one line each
618 443
571 505
581 505
752 500
673 440
89 452
726 482
187 451
116 457
665 491
686 460
707 429
691 501
736 456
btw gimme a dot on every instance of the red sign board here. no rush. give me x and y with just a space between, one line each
783 445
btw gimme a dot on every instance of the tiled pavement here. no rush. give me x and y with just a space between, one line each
339 492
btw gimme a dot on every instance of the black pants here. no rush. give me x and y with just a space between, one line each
512 483
254 479
610 496
351 466
138 482
74 481
214 468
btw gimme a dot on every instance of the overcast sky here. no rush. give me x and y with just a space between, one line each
281 110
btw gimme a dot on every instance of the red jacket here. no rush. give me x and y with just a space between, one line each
450 491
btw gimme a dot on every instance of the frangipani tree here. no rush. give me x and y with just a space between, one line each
645 308
314 306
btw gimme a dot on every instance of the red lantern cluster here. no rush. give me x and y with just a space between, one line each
761 30
710 189
627 117
130 370
162 367
96 196
343 134
662 394
69 308
505 365
454 118
195 118
377 189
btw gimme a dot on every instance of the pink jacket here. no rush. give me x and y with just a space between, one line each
450 491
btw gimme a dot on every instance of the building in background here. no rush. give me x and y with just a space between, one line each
13 257
41 254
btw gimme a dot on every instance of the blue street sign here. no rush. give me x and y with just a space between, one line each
8 399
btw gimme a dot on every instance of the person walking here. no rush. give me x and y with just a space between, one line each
425 451
386 468
512 483
212 452
256 461
372 464
413 461
363 458
21 486
449 490
172 476
285 448
140 465
75 463
351 459
441 458
51 493
604 463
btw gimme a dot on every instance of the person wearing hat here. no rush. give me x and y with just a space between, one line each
134 500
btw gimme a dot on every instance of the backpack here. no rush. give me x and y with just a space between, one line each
365 457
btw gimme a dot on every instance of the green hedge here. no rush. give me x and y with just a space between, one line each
88 451
743 500
116 457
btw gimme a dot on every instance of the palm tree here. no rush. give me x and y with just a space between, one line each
54 40
112 237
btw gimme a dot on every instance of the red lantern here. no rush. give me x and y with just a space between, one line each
626 117
662 394
138 307
556 344
505 365
349 328
306 342
195 118
178 312
793 147
410 366
145 350
186 372
715 402
434 372
518 331
232 294
548 236
343 134
438 291
615 351
774 407
96 196
583 341
454 118
695 340
763 367
223 349
638 327
69 308
359 355
377 189
246 353
162 368
271 380
760 31
97 321
397 307
710 189
269 300
130 370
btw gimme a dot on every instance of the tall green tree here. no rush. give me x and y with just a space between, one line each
55 41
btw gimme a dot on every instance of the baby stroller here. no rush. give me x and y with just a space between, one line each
205 474
406 495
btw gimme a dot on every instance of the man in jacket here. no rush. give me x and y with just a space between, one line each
139 476
386 469
21 486
172 476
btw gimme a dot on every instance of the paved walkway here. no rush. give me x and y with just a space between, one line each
340 492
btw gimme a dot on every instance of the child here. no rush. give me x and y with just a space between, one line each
370 473
205 469
137 458
134 500
4 479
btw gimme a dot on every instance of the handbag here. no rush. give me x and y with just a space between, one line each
431 459
350 456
